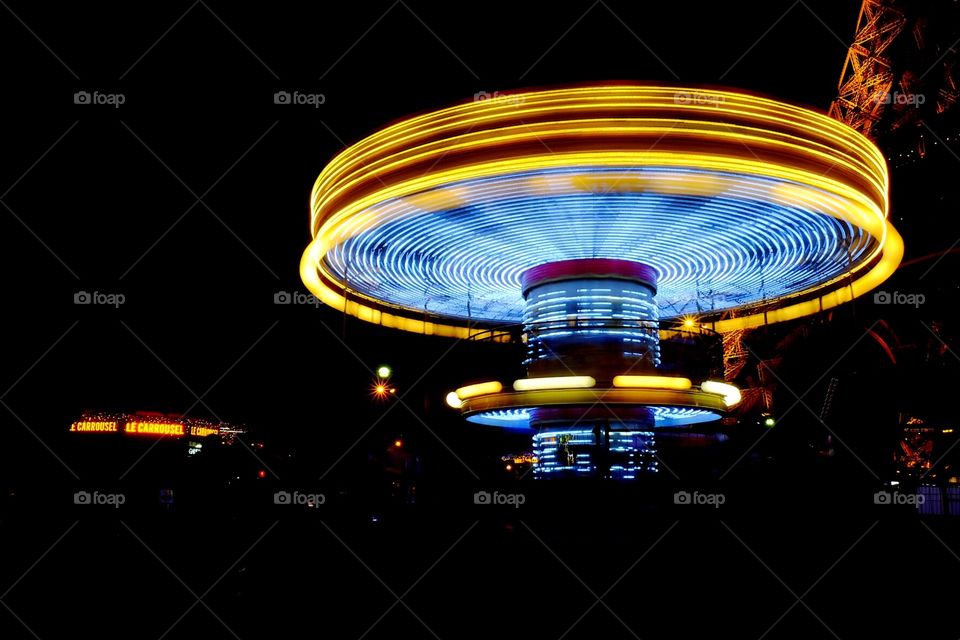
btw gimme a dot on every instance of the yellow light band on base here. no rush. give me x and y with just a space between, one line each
479 389
651 382
731 394
693 398
556 382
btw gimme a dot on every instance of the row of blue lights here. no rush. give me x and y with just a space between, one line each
568 312
574 452
663 416
711 252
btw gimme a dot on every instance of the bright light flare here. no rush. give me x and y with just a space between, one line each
380 389
731 395
453 400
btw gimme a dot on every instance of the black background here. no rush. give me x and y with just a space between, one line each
106 199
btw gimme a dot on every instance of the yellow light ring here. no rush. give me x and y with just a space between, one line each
854 206
375 314
374 311
665 136
826 167
565 139
483 115
596 95
691 398
858 210
827 195
624 101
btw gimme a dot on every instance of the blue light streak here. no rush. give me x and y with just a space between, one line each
664 417
576 451
734 249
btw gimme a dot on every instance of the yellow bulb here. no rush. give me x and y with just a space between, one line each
556 382
453 400
479 389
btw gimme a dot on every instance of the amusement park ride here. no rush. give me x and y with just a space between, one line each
622 231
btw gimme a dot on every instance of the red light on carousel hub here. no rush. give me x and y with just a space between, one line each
261 474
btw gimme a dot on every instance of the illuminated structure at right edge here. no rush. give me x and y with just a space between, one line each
597 218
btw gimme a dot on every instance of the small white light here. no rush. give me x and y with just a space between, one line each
454 400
